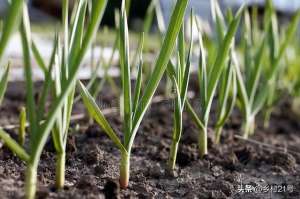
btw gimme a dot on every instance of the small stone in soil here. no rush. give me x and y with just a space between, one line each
217 171
112 189
157 171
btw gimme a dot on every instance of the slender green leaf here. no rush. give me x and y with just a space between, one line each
77 30
256 73
242 91
48 82
220 60
138 84
3 82
125 71
181 55
194 115
171 70
149 17
226 106
218 19
177 113
159 17
39 59
291 30
14 146
11 23
161 64
202 73
96 113
30 102
187 68
97 13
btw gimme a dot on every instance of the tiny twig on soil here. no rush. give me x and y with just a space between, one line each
265 145
107 111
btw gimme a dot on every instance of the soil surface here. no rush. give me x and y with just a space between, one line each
234 169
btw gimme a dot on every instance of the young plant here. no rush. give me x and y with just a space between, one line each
180 75
209 77
255 87
277 47
227 94
136 107
96 85
40 126
72 41
11 24
227 90
162 29
71 44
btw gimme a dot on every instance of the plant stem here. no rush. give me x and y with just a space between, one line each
124 169
31 181
203 142
249 126
218 135
246 130
252 127
173 155
60 170
267 117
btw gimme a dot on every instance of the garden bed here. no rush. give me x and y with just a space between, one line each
92 166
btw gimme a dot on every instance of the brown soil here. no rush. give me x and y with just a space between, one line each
93 161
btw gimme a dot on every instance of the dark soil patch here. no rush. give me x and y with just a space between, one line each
93 161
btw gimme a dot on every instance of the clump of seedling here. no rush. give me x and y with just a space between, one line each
96 85
257 86
11 24
41 124
227 89
180 74
135 108
209 78
277 47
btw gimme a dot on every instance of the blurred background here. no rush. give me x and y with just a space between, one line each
46 15
43 10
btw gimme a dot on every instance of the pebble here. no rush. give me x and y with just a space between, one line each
157 171
217 171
